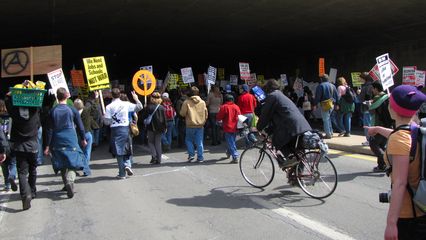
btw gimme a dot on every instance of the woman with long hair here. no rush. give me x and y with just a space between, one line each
345 108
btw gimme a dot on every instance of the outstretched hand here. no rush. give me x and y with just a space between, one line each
135 96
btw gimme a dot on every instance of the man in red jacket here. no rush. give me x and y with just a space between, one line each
228 114
247 103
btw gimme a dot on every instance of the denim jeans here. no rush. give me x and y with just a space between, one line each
249 121
8 168
40 157
326 120
123 162
166 138
345 121
230 141
335 122
195 136
95 135
87 153
366 121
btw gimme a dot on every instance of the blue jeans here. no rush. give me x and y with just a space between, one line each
8 168
345 121
95 135
326 120
40 157
195 136
335 122
249 121
167 136
123 162
87 152
230 141
366 121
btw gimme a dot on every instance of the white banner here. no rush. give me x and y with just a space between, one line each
244 71
187 75
420 78
332 75
57 80
211 74
284 79
149 68
385 70
409 75
233 80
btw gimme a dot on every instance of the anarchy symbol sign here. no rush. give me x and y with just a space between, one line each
15 62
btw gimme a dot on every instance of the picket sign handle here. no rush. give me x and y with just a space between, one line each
102 101
32 65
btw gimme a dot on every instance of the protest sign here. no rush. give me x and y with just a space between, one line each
211 74
187 75
30 61
321 67
409 75
57 80
96 73
77 78
261 79
375 73
172 82
385 70
356 81
252 80
149 68
144 82
233 80
284 79
332 75
180 82
244 71
221 73
420 78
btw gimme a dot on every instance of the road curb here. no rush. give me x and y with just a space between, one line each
351 148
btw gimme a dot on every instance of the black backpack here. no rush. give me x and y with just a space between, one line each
349 95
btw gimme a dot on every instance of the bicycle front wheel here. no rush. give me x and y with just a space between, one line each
257 167
316 175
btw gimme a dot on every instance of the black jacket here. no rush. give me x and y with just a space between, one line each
284 117
4 143
158 122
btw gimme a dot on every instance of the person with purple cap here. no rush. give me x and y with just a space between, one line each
404 220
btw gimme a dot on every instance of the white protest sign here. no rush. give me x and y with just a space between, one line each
332 75
252 80
385 70
284 79
233 80
57 80
244 71
409 75
187 76
149 68
420 77
211 74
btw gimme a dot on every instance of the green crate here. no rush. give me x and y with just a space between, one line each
27 97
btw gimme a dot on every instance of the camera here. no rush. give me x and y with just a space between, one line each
385 197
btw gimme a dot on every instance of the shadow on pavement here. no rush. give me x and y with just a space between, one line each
351 176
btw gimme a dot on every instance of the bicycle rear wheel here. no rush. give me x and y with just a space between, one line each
257 167
316 175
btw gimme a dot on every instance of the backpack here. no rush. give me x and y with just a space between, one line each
169 111
349 95
418 135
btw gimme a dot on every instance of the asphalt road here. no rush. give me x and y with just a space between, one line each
210 200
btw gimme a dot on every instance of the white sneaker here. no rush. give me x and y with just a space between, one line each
128 171
366 143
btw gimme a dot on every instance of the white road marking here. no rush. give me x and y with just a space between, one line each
163 172
319 227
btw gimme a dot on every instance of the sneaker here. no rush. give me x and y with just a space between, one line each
70 190
228 155
366 143
289 163
121 177
234 160
342 133
200 160
153 161
26 203
347 135
13 185
379 169
190 159
128 171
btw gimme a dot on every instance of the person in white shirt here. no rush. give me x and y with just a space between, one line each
117 117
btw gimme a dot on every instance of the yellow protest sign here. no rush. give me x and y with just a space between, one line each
356 82
96 73
144 77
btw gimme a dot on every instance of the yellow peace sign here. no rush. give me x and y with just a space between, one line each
144 76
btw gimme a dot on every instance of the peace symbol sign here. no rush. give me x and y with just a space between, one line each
143 76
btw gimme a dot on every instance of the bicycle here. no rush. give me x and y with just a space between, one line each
314 172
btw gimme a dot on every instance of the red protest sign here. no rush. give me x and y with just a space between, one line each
77 78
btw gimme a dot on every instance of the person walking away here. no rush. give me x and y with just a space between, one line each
214 100
62 140
306 103
156 127
194 111
380 116
326 97
365 98
404 219
228 114
247 103
181 126
346 106
88 122
95 111
117 117
24 146
170 114
9 164
282 117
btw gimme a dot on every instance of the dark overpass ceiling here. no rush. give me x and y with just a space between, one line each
221 28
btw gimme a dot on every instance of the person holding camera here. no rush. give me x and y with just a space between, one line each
404 220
